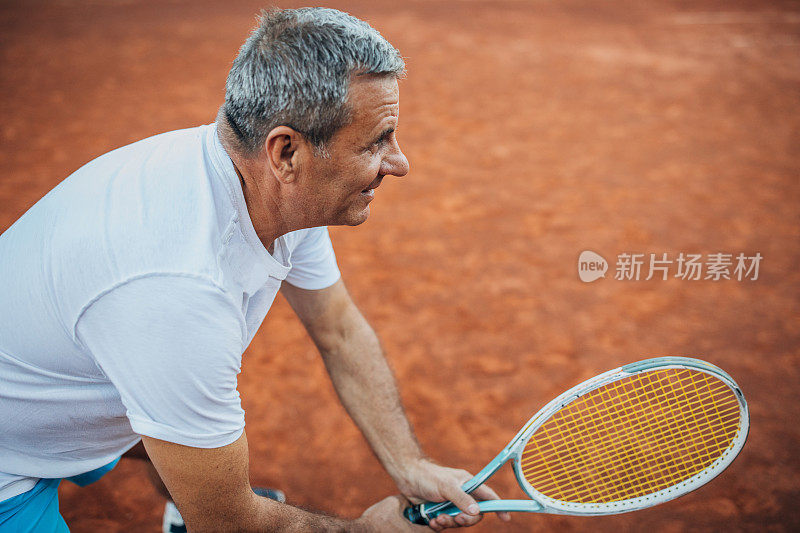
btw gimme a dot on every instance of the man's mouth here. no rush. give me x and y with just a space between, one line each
372 186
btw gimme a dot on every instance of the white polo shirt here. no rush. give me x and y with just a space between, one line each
127 296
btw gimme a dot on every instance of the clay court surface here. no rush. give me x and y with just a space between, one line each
535 130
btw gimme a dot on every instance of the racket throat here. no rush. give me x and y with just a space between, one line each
481 477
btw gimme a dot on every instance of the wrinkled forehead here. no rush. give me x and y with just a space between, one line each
374 97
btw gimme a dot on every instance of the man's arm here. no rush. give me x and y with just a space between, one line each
366 386
211 488
359 372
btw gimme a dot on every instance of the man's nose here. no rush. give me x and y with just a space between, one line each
396 162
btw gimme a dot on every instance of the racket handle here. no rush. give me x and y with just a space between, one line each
415 515
432 510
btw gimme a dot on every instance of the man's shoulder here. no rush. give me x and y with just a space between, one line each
187 137
150 207
158 192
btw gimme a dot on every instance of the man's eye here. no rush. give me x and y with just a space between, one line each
380 141
385 137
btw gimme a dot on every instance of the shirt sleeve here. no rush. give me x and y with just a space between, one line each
313 261
172 346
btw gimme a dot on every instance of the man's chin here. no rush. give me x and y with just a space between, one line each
359 218
352 218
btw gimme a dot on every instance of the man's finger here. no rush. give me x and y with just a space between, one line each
461 499
435 525
466 520
443 521
485 492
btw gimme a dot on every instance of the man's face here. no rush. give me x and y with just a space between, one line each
338 189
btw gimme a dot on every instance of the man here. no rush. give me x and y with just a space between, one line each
132 289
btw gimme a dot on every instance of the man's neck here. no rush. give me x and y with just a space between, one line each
266 229
269 212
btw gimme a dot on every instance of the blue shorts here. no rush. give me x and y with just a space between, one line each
37 510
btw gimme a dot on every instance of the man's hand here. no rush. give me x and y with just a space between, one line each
386 515
424 480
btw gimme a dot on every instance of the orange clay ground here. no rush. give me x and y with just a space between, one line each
535 130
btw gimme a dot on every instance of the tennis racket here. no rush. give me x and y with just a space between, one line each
630 438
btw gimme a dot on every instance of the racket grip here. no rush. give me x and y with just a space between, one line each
414 515
432 510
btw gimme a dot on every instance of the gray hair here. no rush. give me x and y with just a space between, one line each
294 70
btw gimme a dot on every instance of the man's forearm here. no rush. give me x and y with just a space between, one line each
285 518
367 389
268 516
211 489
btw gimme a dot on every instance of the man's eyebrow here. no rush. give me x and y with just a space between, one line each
385 133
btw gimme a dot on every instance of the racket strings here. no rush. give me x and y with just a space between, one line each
632 437
625 449
625 476
675 431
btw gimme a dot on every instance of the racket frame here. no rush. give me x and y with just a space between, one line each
540 503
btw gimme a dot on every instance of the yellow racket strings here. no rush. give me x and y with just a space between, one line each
632 437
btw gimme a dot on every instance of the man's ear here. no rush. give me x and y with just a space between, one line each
281 148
